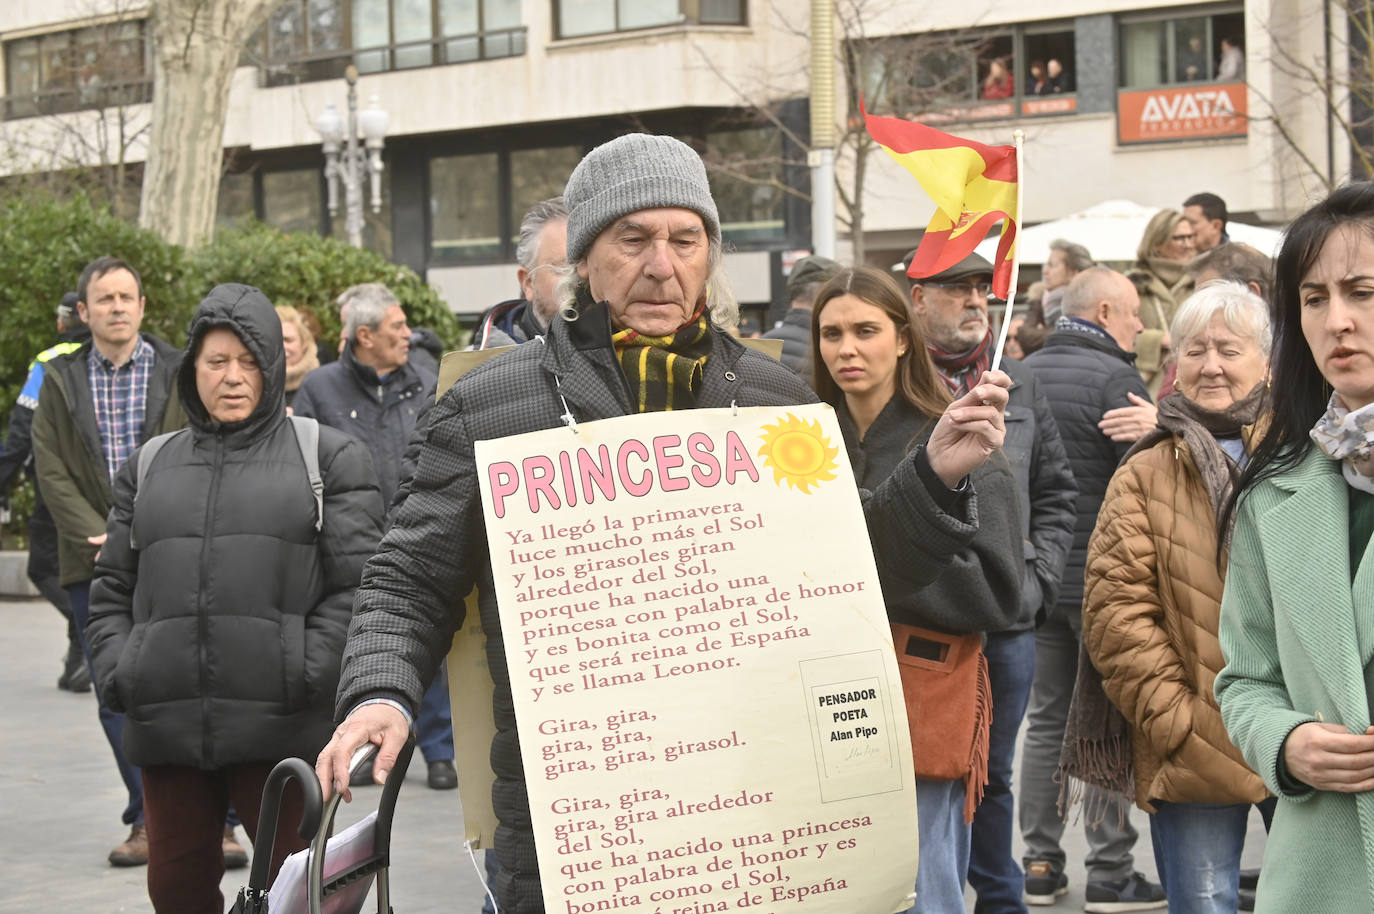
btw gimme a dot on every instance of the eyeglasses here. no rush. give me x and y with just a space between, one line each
1190 239
963 289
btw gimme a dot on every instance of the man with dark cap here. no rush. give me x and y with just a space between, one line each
17 456
952 305
806 278
633 334
954 320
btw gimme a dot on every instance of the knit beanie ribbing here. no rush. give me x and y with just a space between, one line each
630 173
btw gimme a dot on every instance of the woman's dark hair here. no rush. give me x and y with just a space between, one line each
917 380
1299 392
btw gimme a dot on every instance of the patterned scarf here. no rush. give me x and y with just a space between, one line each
1348 436
961 370
1200 428
665 371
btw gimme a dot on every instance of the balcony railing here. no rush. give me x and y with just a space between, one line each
64 100
406 55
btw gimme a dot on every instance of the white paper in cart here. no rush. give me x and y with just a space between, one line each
288 894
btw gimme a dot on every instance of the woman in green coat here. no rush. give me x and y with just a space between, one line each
1297 618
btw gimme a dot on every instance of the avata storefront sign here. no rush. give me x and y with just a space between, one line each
1180 114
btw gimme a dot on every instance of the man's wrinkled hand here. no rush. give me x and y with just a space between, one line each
380 724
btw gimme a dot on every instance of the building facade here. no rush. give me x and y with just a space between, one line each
492 102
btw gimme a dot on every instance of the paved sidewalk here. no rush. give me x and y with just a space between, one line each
62 800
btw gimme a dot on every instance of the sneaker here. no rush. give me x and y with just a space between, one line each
134 850
235 857
1134 893
442 775
1044 883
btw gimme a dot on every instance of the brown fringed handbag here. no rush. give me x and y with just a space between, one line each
948 707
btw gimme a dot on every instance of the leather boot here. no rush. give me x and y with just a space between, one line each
235 857
134 850
75 677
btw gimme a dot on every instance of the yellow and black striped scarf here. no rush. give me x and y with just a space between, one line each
665 371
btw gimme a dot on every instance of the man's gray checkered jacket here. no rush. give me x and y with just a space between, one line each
411 599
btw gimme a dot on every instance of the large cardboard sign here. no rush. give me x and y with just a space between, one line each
709 706
1191 112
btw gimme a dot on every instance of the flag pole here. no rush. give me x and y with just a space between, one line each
1018 137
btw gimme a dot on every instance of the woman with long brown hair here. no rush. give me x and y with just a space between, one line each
872 366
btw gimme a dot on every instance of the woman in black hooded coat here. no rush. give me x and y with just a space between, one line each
219 633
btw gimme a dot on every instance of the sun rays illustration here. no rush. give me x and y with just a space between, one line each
798 452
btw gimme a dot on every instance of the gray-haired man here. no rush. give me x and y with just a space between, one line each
644 247
374 393
541 252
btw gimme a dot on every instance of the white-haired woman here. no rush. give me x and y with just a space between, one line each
1152 603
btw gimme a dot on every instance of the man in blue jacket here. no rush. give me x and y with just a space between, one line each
375 394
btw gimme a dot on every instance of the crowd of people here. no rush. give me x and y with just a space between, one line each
1148 531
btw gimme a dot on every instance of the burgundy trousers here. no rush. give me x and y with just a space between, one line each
184 809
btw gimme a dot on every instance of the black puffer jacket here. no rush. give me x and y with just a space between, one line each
220 636
795 332
979 588
435 551
1083 375
380 413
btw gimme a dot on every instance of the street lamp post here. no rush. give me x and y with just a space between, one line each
348 161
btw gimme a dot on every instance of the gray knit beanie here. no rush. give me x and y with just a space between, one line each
630 173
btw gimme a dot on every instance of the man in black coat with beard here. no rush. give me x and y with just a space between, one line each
222 596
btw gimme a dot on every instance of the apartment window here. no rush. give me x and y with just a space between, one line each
293 200
465 208
376 226
308 40
538 174
1163 51
573 18
745 168
98 66
973 75
235 199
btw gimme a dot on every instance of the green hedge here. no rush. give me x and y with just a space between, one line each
309 271
45 242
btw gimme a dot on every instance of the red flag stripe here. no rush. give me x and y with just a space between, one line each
999 162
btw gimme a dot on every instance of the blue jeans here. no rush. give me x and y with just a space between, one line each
434 726
944 847
111 721
993 872
1197 853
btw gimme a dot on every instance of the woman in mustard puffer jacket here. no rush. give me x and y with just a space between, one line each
1152 599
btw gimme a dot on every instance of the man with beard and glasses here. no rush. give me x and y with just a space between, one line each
952 308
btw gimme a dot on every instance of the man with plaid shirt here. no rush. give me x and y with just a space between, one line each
96 406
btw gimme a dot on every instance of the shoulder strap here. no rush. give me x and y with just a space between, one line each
308 439
146 454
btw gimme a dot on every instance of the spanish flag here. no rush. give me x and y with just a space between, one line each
973 186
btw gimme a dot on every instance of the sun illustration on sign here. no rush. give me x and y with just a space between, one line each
798 452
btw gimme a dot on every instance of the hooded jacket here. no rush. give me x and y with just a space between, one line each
220 636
